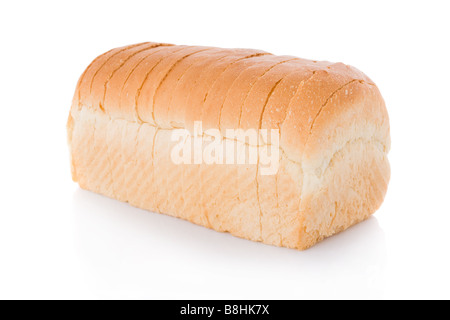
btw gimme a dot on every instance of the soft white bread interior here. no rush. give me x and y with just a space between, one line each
334 139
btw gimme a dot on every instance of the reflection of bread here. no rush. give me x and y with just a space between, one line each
333 147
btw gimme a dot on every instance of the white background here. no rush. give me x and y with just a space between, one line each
57 241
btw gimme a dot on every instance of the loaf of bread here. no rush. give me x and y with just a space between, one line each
300 146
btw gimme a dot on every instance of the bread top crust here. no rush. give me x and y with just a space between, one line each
317 106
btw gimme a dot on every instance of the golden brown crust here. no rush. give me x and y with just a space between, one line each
84 83
231 112
175 87
99 78
177 92
133 85
116 83
333 148
215 99
146 99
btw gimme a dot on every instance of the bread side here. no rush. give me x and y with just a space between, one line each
333 148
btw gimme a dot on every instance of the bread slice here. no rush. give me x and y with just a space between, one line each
334 138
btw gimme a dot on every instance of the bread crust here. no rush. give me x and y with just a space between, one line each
334 139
